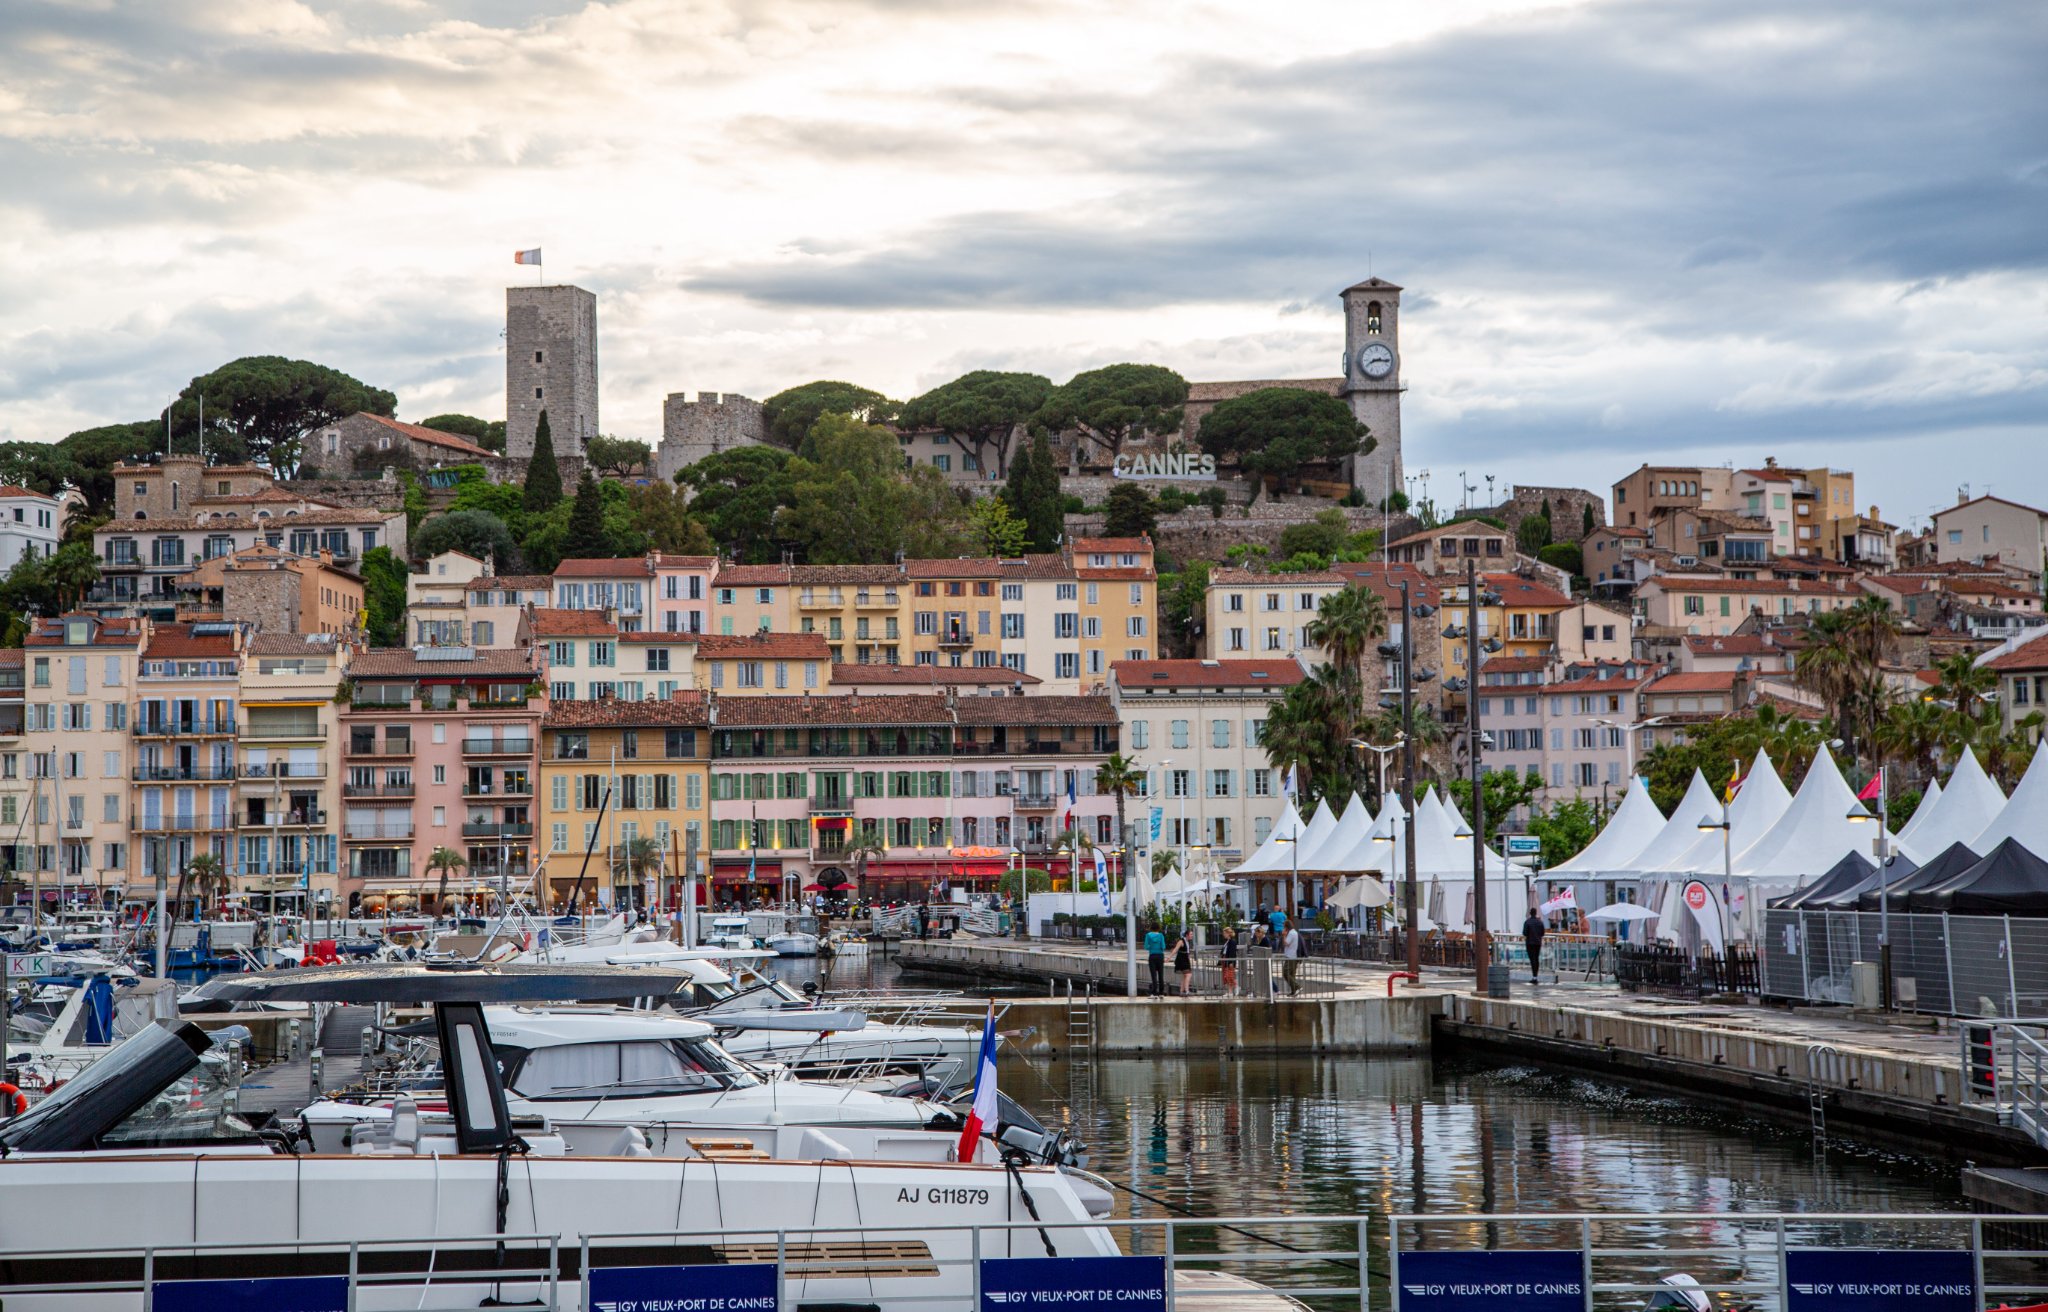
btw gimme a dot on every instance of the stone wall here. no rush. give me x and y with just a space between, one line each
385 493
1197 534
268 598
1567 510
693 430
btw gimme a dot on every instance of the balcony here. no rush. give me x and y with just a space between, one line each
389 747
161 774
497 746
309 771
497 790
955 637
838 806
492 829
191 729
497 703
833 855
876 600
1036 801
77 828
378 792
287 820
831 600
380 833
184 824
300 732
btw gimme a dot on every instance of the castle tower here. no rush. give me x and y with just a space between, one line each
1372 381
551 365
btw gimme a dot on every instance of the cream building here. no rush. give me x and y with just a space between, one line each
1253 615
69 778
1991 528
288 789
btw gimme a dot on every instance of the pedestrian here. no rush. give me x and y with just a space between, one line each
1533 931
1184 960
923 919
1290 952
1279 922
1229 962
1155 958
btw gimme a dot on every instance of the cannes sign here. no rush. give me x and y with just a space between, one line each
1177 468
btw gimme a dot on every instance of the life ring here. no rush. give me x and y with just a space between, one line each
18 1099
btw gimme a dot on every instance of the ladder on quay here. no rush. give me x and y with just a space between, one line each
1081 1019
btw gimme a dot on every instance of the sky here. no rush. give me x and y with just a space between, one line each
1629 230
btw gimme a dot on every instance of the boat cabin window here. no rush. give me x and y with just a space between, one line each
646 1068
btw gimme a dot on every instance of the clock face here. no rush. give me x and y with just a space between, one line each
1376 360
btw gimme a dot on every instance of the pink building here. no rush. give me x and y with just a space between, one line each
439 751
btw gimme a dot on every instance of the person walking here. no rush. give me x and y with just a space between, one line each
1155 958
924 921
1290 965
1279 922
1184 960
1533 930
1229 962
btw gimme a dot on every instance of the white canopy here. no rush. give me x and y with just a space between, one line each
1276 853
1171 886
1757 807
1970 804
1682 830
1320 826
1622 911
1370 852
1335 849
1925 811
2025 815
1815 832
1635 824
1364 891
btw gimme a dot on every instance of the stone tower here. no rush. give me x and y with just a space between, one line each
693 430
1372 381
551 365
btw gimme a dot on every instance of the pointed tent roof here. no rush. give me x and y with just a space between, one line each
1969 805
1369 852
1814 832
2009 881
1450 805
1273 854
1635 824
2025 814
1757 807
1925 810
1850 872
1951 861
1320 826
1334 851
1681 831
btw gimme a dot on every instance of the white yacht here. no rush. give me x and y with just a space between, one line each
143 1151
793 943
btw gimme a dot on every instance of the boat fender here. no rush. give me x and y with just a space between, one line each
16 1099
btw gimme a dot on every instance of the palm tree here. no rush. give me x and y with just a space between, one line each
1831 666
1346 625
71 572
1120 778
1911 733
208 876
443 860
638 856
1965 685
868 843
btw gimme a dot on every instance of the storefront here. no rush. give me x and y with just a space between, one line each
738 883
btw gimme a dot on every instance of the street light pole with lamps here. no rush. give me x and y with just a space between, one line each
1708 823
1882 848
1628 737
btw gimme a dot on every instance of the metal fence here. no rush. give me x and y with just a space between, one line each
1994 967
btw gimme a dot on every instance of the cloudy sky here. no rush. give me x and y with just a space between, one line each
1629 230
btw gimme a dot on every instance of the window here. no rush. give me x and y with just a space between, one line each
603 654
1066 664
1134 627
1178 730
1013 624
1219 783
1141 735
1219 733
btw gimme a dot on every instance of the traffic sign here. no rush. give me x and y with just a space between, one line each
1524 845
27 965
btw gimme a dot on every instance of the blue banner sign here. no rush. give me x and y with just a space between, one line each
284 1294
1527 1280
1880 1280
734 1287
1009 1284
1158 818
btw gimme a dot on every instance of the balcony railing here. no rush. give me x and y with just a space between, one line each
374 792
183 824
285 770
1036 801
193 729
831 598
378 833
498 790
875 599
956 638
156 774
306 731
389 747
497 746
287 820
491 829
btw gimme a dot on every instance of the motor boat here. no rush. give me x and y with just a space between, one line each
795 943
732 932
463 1203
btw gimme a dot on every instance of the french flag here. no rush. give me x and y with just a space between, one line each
982 1114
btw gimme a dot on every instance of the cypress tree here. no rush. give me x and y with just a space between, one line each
586 537
543 476
1046 516
1586 520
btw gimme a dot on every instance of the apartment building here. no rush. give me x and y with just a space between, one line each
1041 621
1655 490
763 664
1990 529
580 649
1606 550
1698 603
437 600
1194 727
30 525
1589 633
953 612
624 798
495 603
1254 615
621 588
187 722
1119 604
141 562
67 771
1567 727
287 782
272 590
857 609
1678 703
440 752
753 599
946 786
965 680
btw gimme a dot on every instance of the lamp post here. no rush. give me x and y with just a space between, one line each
1882 847
1482 952
1409 892
1708 822
1628 737
1380 762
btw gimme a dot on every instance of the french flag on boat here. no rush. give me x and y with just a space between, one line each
982 1115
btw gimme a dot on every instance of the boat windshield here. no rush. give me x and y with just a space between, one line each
638 1068
161 1087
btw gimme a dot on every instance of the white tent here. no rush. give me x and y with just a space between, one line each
1364 891
1969 805
1925 811
1375 850
1635 824
1335 849
1276 853
2025 815
1814 832
1320 826
1758 805
1682 830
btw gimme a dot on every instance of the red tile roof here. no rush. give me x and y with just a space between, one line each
498 663
831 575
752 576
659 637
1715 583
1135 675
1517 591
2031 655
971 567
177 642
1514 665
432 436
1697 681
11 490
612 568
511 583
762 646
551 623
932 675
1386 581
889 710
125 632
1613 683
687 709
664 560
1088 546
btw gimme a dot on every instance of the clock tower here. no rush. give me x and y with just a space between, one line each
1372 382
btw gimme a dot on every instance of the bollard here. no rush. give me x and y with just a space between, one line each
369 1042
291 1032
231 1100
315 1069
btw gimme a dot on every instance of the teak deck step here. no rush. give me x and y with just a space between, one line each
728 1150
851 1259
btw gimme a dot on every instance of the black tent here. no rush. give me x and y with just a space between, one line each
2009 881
1953 860
1845 874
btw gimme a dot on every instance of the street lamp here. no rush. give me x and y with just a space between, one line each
1410 894
1708 822
1628 736
1883 849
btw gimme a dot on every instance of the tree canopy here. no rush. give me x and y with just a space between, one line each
980 412
737 494
1118 403
1278 430
476 533
789 414
486 433
1033 492
856 503
619 456
1130 511
261 407
586 537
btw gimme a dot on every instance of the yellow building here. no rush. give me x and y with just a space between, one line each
785 664
955 611
857 609
614 773
753 599
1119 600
